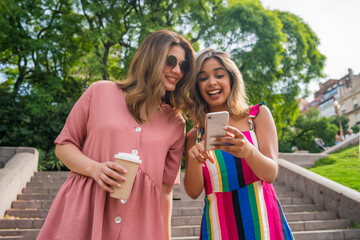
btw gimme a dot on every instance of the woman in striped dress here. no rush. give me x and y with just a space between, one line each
240 201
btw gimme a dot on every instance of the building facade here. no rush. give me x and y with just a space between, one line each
346 91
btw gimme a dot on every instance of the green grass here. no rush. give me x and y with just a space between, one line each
342 166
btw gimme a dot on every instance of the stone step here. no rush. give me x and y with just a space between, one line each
49 184
296 200
26 234
188 203
302 208
53 178
39 204
189 211
185 220
185 238
11 237
307 216
40 190
19 223
307 220
34 196
27 213
181 231
319 225
336 234
193 232
289 194
51 174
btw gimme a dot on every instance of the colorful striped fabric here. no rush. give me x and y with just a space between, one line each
238 205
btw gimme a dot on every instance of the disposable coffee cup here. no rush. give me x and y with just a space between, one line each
131 163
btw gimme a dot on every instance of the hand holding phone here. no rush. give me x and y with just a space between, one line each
214 126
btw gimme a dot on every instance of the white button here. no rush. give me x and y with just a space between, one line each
135 151
123 201
138 129
118 219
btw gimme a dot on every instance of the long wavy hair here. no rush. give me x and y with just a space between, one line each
144 86
236 103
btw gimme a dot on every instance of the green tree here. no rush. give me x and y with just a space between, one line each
275 51
306 128
50 51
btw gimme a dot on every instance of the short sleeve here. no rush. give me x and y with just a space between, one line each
173 158
75 128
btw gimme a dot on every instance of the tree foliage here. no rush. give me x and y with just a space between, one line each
50 51
306 128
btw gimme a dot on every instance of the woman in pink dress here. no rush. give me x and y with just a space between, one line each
240 201
140 115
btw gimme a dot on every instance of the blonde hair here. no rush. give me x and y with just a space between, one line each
237 101
143 84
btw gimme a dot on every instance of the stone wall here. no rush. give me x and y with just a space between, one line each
334 196
20 166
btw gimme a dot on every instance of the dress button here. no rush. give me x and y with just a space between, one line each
118 219
123 201
138 129
135 151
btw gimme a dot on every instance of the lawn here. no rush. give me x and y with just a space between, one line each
342 166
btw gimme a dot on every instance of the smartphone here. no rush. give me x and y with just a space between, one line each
214 126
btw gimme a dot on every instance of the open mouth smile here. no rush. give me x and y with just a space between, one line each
214 92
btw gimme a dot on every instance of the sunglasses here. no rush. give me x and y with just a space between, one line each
171 61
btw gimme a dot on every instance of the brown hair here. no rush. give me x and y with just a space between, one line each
237 101
143 84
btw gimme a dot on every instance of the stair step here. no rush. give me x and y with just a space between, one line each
289 194
307 220
11 237
51 174
44 184
23 204
35 196
337 234
188 203
27 213
302 208
179 231
20 223
185 220
27 234
189 211
304 216
185 238
40 190
53 178
320 225
296 200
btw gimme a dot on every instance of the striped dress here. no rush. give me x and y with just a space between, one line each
238 205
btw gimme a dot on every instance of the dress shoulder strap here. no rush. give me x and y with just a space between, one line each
254 110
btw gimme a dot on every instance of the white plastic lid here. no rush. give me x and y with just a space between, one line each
128 157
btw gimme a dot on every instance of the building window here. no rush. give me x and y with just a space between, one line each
355 102
358 119
343 108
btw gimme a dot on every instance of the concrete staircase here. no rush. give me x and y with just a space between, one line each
307 220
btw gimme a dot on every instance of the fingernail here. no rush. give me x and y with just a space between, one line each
118 185
213 139
225 127
212 147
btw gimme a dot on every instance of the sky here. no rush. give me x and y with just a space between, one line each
337 24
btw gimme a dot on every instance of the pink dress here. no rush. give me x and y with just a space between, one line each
100 125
